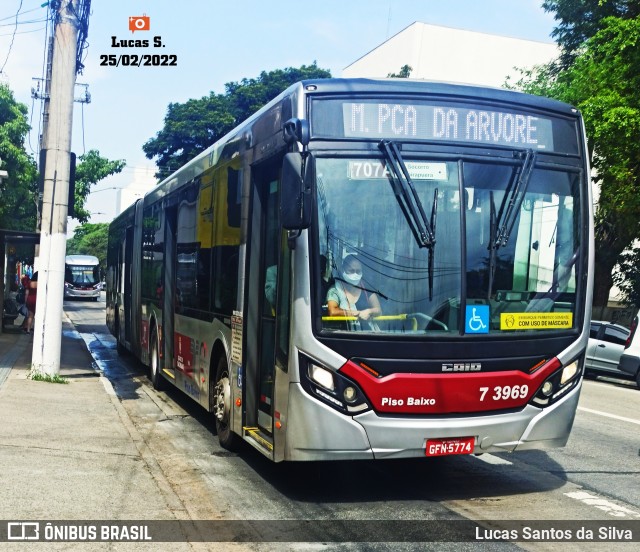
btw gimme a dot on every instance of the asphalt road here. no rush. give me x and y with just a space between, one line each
592 480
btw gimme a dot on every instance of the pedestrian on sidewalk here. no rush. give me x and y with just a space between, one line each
25 282
30 300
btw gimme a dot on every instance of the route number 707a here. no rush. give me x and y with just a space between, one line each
505 392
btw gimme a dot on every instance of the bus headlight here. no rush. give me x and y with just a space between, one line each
331 388
547 388
558 384
350 394
568 372
321 376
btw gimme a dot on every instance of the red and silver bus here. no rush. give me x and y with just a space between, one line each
370 269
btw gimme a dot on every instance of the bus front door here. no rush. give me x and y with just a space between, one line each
269 272
264 309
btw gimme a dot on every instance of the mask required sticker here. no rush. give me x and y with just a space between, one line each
536 320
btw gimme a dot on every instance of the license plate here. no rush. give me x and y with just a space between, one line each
446 447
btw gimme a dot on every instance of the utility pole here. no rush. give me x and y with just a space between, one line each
53 229
45 97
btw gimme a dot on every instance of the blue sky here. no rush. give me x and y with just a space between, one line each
217 42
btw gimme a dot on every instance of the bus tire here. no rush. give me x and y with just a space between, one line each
154 363
221 406
120 348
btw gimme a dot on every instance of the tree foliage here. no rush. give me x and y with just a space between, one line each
404 73
90 239
579 20
627 278
604 83
92 169
18 190
193 126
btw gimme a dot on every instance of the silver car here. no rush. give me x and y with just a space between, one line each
606 345
630 360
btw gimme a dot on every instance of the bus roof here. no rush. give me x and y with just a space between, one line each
84 260
419 86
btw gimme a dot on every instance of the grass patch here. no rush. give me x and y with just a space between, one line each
39 376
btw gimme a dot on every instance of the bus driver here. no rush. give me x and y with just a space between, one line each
348 298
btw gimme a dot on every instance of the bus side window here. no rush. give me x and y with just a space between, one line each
226 238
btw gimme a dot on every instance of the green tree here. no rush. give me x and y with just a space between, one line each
579 20
91 169
90 239
18 190
604 83
627 278
191 127
404 73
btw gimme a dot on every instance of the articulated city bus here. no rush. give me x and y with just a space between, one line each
82 277
370 269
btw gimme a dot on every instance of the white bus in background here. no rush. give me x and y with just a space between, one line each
82 277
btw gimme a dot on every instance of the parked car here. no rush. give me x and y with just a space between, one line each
630 359
606 345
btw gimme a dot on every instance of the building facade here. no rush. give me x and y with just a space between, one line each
452 55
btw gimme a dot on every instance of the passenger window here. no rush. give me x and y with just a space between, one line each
594 330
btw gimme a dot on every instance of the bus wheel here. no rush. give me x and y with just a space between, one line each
221 406
154 363
120 348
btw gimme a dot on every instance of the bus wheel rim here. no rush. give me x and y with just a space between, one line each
154 361
222 399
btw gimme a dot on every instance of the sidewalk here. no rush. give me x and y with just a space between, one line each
70 451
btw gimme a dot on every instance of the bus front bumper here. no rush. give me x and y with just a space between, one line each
80 293
325 434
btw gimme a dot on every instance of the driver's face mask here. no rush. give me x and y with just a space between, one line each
352 275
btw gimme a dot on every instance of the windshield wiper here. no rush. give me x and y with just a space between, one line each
501 226
515 198
424 230
407 196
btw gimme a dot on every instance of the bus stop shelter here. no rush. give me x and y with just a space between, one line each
14 246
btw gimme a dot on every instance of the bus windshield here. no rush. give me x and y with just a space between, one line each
503 258
79 275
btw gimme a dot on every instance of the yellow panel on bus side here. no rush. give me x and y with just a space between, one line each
224 232
205 211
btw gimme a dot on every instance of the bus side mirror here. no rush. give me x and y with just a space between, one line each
298 174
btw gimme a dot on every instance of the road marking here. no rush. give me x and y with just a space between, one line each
602 504
607 415
495 460
624 385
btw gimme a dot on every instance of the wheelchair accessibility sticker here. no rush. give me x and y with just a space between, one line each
477 319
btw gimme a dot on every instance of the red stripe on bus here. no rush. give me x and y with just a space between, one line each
411 393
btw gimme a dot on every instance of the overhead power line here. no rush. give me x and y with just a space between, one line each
26 11
13 37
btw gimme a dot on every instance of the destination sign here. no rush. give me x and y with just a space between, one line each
406 121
